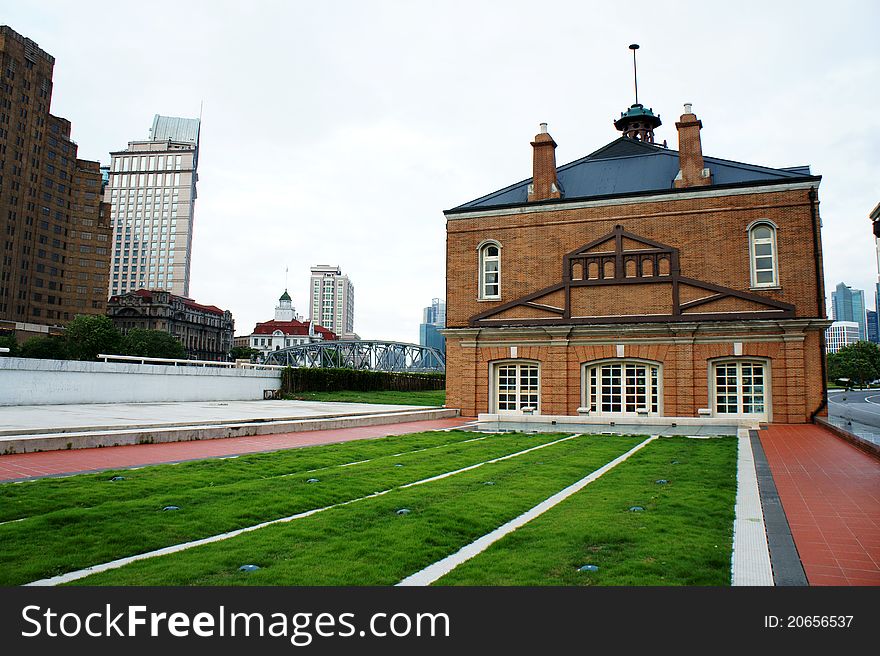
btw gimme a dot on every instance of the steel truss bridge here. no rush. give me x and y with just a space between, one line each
361 354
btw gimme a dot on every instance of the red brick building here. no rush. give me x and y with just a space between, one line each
639 281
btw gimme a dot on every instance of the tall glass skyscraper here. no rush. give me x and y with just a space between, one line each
152 195
433 321
848 304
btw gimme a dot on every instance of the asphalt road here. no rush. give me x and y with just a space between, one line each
857 410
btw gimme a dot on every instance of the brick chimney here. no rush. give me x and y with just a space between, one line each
692 172
544 183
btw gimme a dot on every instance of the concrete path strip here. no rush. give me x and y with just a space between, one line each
442 567
164 551
750 560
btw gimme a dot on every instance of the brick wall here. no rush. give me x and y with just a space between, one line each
711 235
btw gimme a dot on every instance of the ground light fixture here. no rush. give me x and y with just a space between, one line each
636 509
588 568
171 508
117 478
489 483
248 568
314 480
403 511
661 481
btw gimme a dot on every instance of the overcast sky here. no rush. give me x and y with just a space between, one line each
338 132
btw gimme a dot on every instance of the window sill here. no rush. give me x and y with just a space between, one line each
488 300
765 288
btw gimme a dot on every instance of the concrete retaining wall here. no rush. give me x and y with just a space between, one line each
25 381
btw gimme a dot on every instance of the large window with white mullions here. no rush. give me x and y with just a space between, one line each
490 270
622 387
740 388
517 387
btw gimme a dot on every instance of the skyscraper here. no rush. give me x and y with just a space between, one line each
152 195
332 304
848 304
433 320
54 259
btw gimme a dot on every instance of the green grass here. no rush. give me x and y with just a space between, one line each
367 543
40 496
684 536
214 497
427 397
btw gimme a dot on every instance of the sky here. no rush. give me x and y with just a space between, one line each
338 132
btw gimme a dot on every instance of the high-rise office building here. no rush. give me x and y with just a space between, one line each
332 300
840 334
848 304
433 321
152 193
55 240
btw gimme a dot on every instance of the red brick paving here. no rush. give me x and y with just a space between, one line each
831 495
48 463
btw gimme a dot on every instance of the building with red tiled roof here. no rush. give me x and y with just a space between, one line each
204 330
286 329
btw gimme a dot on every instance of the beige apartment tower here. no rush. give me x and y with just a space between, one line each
332 300
152 193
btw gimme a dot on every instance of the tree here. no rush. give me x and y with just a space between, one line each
8 341
45 348
88 335
243 353
859 362
152 344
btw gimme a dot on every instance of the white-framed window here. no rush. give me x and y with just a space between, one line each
516 387
740 388
622 387
490 270
763 254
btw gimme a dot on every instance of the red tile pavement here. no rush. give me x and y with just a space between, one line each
831 495
49 463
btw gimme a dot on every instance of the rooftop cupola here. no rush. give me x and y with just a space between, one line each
638 122
284 310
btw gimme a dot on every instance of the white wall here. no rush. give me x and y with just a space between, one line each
25 381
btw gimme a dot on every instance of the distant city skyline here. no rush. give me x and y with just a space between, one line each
353 158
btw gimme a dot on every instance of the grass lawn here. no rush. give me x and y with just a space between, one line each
428 397
682 538
367 543
88 519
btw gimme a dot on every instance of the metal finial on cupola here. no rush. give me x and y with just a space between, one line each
638 122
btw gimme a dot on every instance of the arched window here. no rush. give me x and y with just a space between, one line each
762 254
516 387
490 270
625 387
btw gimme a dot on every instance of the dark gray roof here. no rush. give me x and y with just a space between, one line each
626 166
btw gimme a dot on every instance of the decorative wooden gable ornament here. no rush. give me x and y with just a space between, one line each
625 278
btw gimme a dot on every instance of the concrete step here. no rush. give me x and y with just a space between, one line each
28 441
